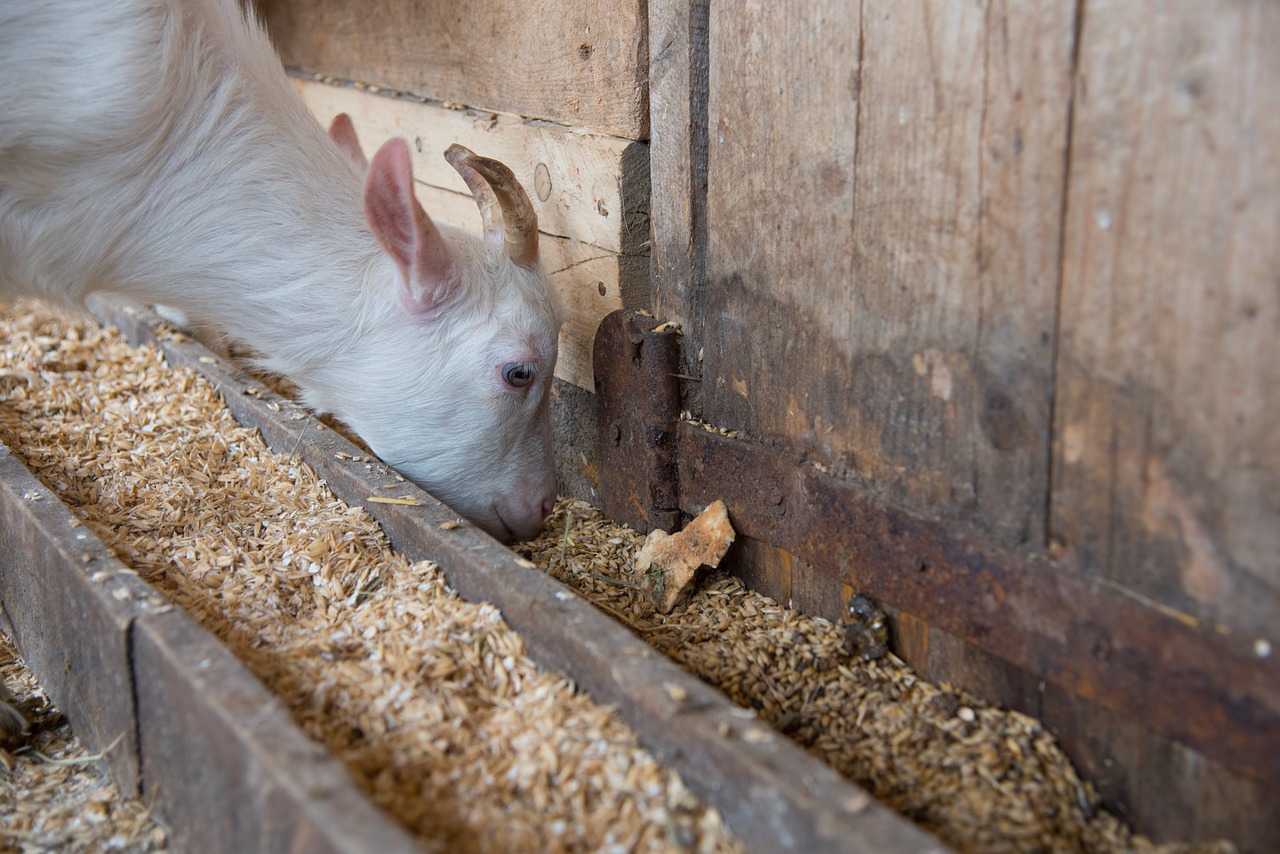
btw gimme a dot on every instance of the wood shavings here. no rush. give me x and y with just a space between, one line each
670 562
430 701
983 779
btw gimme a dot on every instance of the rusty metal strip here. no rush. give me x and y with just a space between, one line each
1208 691
637 405
773 795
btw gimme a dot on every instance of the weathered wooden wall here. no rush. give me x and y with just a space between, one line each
1013 267
1167 446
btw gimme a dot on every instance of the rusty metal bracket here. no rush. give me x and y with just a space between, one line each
638 405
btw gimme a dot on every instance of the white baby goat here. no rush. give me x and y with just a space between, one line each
155 148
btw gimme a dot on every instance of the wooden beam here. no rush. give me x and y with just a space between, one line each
182 723
678 154
1179 677
576 62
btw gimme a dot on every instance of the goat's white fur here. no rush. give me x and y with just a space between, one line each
155 148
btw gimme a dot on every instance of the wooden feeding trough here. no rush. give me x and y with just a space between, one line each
979 306
198 735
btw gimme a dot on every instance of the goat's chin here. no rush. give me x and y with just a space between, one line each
493 525
509 531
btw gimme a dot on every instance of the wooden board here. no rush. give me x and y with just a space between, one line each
1158 784
899 288
581 63
587 186
1167 452
216 745
55 575
678 149
883 207
590 192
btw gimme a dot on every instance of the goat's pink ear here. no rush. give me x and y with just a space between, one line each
343 132
403 227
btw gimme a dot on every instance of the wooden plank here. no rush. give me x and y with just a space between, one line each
772 794
224 763
594 217
1167 454
883 210
592 282
182 723
587 186
58 584
1159 786
678 157
581 63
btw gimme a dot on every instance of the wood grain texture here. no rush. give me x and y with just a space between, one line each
883 208
1167 452
1158 785
592 198
582 63
594 187
56 580
226 766
678 116
182 723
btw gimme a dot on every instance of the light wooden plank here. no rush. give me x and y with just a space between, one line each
576 62
1167 453
591 281
593 188
883 216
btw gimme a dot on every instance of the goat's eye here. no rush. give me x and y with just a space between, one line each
518 374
